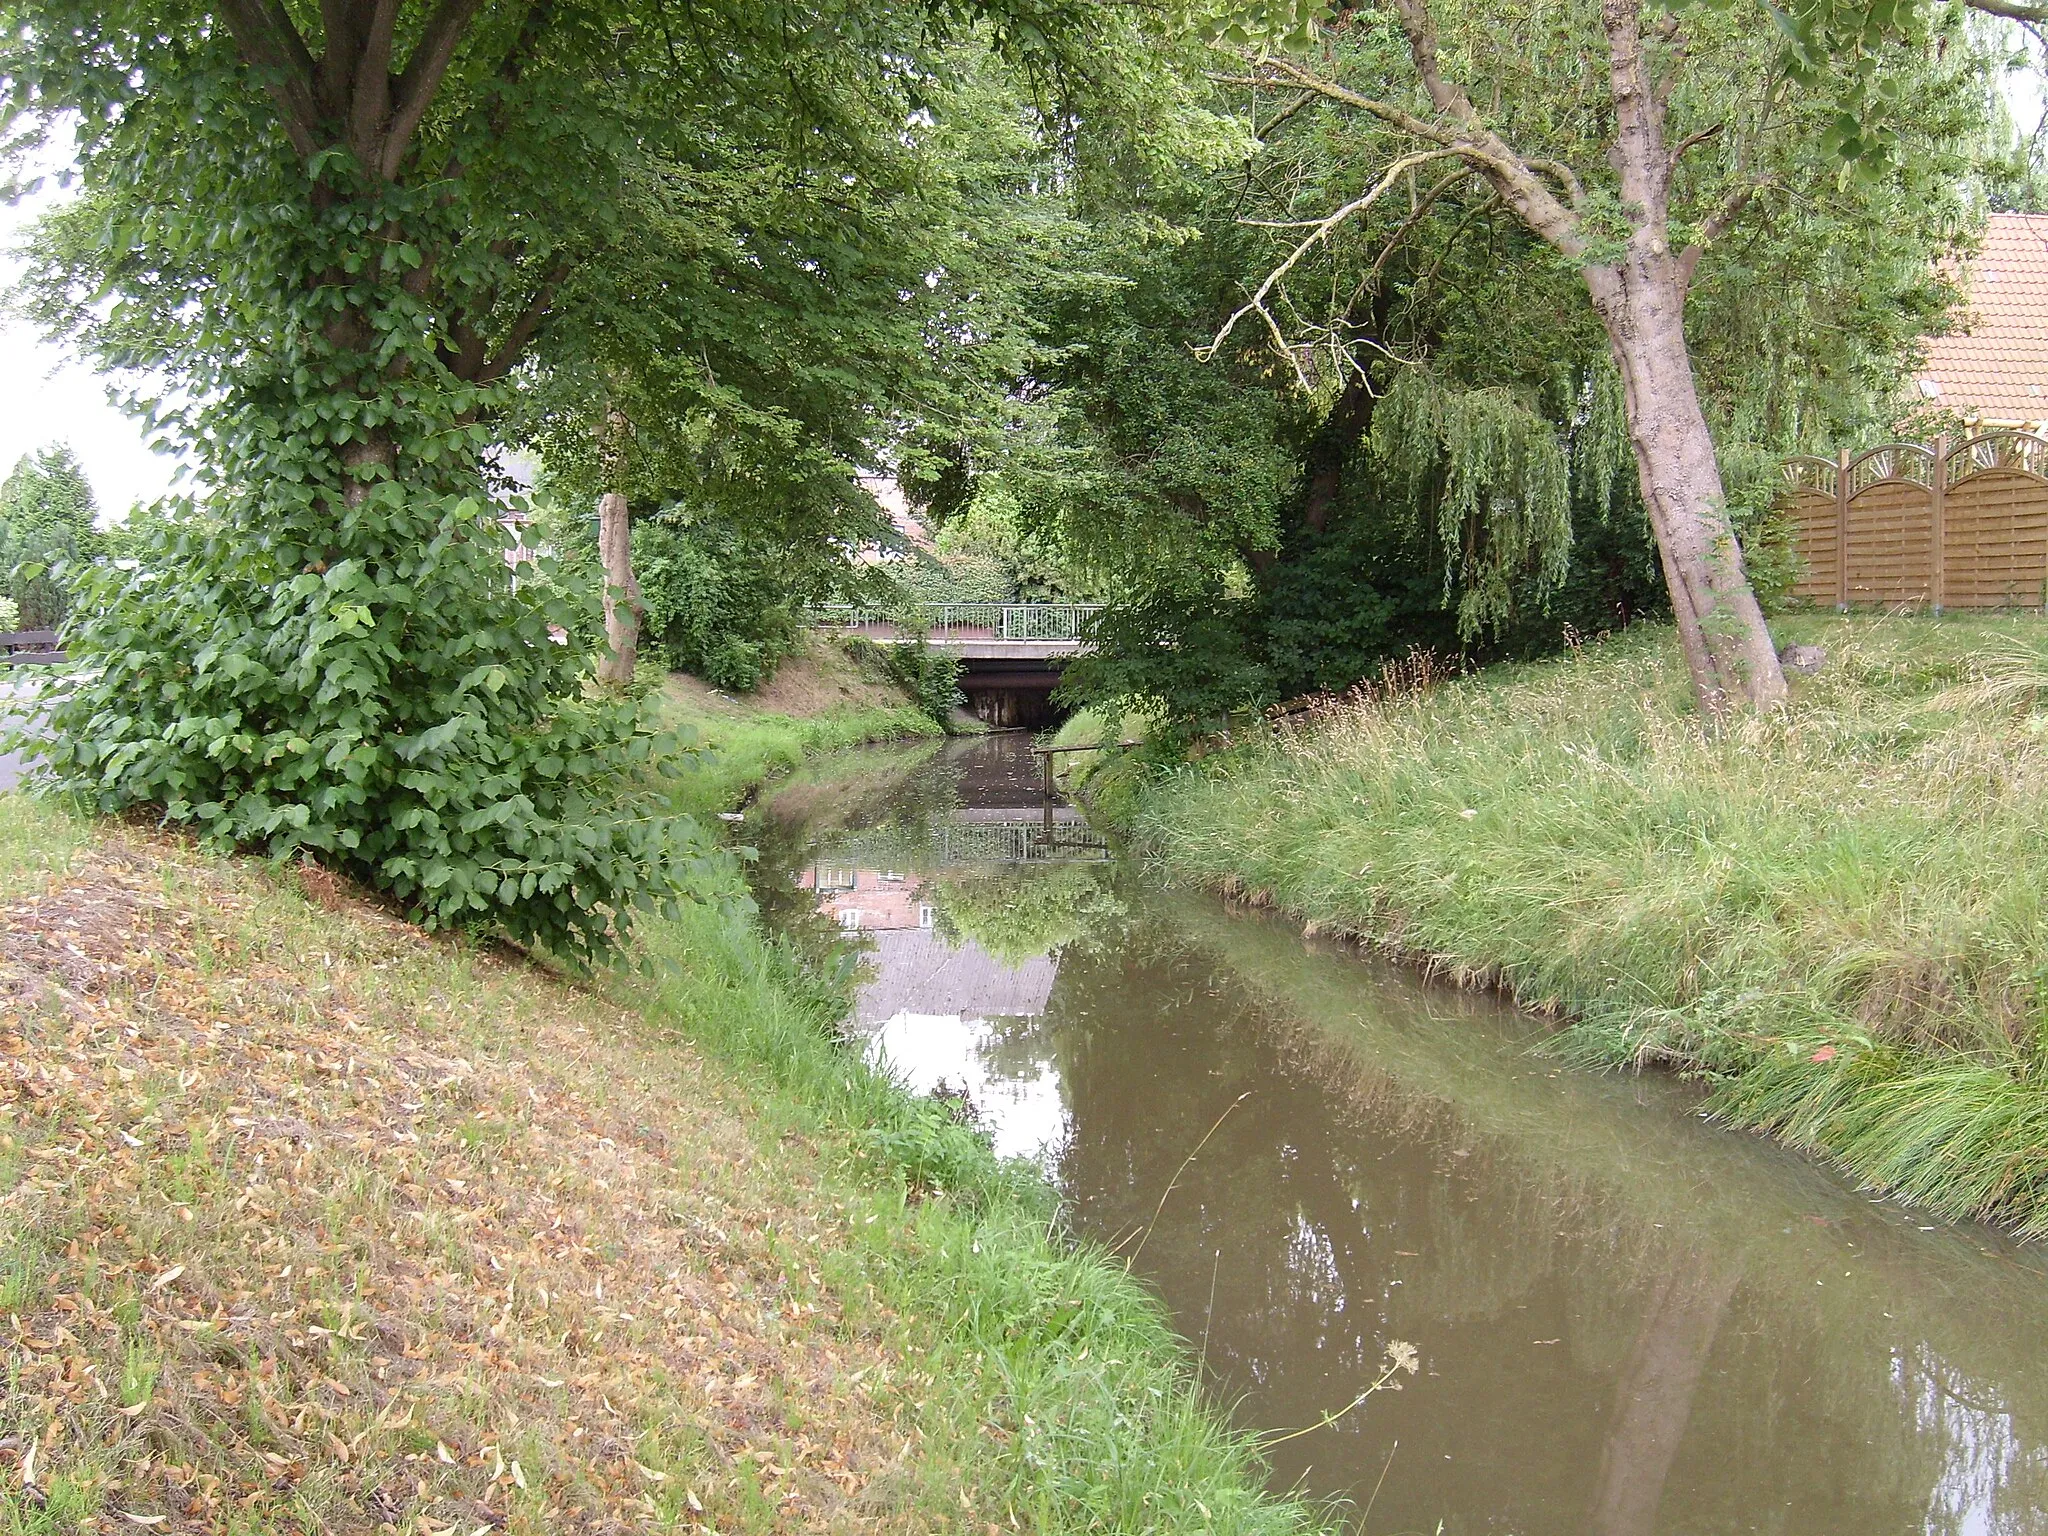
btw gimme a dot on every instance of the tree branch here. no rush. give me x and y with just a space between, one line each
370 97
422 78
1414 218
1321 232
1719 224
1517 181
1678 150
1638 149
1286 114
268 42
2010 10
525 327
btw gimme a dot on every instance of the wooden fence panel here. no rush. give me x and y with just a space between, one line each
1997 554
1891 542
1814 530
1904 525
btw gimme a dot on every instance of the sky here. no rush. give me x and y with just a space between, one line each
47 396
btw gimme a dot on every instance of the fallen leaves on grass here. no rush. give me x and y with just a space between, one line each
316 1224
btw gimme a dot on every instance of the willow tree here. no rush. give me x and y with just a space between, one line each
1632 141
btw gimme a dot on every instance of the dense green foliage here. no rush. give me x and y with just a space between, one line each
270 704
1426 447
46 521
365 245
721 601
929 675
1833 916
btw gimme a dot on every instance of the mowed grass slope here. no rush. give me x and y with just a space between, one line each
1834 913
309 1222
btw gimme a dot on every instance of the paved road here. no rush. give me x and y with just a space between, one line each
13 704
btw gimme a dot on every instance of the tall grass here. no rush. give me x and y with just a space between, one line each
837 1218
1835 914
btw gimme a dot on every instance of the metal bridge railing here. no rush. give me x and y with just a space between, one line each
1026 840
965 621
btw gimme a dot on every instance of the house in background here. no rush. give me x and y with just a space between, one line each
1992 369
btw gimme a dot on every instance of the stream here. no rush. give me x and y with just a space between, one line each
1628 1321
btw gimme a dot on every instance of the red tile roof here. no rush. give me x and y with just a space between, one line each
1994 365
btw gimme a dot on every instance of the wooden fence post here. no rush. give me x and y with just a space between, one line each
1842 531
1937 580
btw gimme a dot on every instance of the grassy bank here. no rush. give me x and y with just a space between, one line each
1835 914
309 1222
819 701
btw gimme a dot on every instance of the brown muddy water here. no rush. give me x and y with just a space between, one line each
1628 1321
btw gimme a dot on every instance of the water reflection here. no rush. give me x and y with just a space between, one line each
1630 1322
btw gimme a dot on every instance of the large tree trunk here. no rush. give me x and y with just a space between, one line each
622 606
1721 628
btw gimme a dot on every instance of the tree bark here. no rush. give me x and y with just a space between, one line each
623 609
1641 301
1721 627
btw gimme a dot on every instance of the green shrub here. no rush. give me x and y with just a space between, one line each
718 605
931 678
46 525
366 686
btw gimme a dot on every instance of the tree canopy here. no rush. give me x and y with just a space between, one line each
46 523
1408 350
347 250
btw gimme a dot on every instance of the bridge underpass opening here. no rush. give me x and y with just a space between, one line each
1006 693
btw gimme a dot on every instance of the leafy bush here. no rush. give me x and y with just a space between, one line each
363 684
718 605
10 614
931 678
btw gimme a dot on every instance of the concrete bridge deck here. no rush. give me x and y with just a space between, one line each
1011 653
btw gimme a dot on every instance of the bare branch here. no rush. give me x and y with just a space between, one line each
1414 218
1691 139
2010 10
268 42
1386 112
422 78
1286 114
1467 132
1722 221
1564 176
1321 232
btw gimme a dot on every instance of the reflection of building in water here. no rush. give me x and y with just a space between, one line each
915 970
919 972
868 898
928 1006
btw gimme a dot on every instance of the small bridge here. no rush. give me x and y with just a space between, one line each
1011 652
